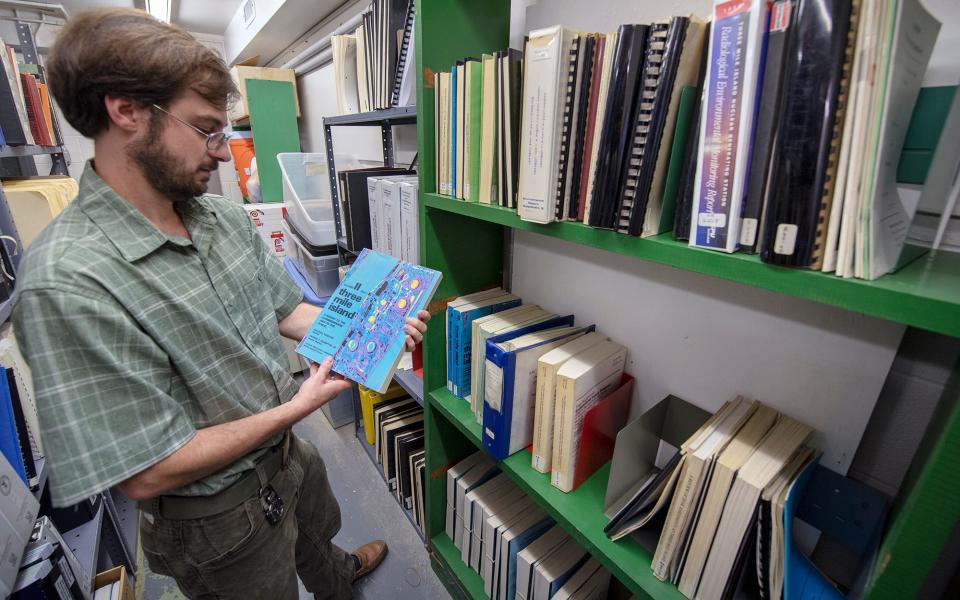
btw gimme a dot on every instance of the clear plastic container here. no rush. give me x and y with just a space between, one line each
321 273
306 196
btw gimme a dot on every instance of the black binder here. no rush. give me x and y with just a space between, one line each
617 132
782 14
403 54
812 72
588 48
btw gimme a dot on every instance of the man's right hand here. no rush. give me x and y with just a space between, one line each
321 387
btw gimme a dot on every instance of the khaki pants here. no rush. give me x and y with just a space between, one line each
238 554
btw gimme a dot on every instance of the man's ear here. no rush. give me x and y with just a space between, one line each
125 113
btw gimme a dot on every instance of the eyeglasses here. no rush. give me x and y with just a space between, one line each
215 141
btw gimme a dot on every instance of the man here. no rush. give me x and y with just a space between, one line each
151 318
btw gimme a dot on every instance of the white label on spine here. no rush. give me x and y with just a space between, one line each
748 232
786 239
712 220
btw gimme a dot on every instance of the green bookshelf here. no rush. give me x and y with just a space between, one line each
579 512
925 293
466 242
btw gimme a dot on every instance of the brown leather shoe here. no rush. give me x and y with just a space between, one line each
370 556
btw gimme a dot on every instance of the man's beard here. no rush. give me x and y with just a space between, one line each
163 170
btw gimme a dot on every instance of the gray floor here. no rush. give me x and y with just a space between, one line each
369 512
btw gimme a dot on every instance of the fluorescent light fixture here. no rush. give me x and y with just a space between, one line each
160 9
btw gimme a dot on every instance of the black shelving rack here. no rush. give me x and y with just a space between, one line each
385 119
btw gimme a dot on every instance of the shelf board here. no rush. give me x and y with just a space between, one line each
579 512
924 293
409 381
13 151
394 116
371 452
84 541
469 580
127 519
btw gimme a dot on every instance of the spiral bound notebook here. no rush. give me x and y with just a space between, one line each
584 91
404 54
568 128
639 153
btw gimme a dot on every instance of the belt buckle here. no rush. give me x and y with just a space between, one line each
272 504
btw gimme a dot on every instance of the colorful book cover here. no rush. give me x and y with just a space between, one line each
361 326
726 126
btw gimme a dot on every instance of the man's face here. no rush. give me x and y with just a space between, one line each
175 157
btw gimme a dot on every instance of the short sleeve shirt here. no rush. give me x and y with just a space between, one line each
137 339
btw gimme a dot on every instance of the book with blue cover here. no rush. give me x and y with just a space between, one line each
730 92
461 319
510 389
361 326
9 438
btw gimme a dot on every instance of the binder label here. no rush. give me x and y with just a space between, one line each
712 220
786 239
748 232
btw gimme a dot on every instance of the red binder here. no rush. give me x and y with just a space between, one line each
600 428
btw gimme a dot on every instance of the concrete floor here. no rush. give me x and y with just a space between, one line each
369 512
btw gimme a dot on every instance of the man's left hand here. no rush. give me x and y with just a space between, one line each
415 328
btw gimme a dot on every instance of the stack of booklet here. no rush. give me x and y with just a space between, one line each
504 536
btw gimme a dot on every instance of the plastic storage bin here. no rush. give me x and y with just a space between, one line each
306 196
320 272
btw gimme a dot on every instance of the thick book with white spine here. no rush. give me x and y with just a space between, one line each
391 216
374 187
544 76
409 222
726 122
547 368
582 381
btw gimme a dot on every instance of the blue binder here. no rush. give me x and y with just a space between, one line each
498 424
9 439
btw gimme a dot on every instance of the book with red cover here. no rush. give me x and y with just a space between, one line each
601 425
31 94
591 123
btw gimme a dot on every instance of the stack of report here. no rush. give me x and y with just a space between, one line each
374 65
395 430
34 202
745 456
504 536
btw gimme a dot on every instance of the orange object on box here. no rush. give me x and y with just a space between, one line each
242 151
601 425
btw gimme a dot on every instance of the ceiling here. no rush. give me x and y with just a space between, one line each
201 16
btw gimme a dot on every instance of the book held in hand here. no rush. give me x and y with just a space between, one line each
361 326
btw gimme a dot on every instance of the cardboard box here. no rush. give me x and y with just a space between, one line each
115 575
268 219
239 111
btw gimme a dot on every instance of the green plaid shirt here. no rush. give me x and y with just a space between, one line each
137 339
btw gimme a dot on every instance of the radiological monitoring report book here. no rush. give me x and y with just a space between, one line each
361 326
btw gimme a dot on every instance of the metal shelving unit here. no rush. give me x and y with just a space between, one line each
84 541
385 119
372 453
409 381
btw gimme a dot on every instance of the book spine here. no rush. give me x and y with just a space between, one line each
593 111
727 122
563 409
770 93
543 420
437 146
453 131
450 345
637 159
569 88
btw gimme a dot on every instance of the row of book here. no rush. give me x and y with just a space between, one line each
504 536
393 425
374 65
356 202
530 377
578 127
703 130
394 220
26 113
20 440
745 456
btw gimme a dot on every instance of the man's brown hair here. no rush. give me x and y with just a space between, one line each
127 53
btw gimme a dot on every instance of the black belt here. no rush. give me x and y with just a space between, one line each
249 485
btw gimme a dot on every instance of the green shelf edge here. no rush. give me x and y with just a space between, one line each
579 512
469 580
924 293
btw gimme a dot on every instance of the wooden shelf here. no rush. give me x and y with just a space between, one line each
579 512
924 294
